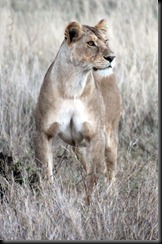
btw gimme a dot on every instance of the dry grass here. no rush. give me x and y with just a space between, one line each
31 33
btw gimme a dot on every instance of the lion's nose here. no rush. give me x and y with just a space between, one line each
109 58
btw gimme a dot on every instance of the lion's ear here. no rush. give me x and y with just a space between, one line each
102 25
73 32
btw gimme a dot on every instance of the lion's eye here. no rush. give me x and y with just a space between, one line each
91 43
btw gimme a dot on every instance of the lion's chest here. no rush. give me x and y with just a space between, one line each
70 117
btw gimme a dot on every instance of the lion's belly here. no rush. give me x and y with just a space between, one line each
71 116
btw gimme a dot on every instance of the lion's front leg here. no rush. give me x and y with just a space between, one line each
95 159
43 151
110 154
44 156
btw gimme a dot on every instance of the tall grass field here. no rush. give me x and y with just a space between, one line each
31 33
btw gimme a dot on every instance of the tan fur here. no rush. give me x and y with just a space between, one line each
79 101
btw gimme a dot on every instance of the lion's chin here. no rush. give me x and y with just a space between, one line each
104 72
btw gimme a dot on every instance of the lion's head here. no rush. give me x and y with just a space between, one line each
88 46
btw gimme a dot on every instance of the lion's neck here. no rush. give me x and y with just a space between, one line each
71 80
75 86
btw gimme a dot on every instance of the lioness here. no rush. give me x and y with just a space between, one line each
79 101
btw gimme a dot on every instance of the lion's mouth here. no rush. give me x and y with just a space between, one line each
108 67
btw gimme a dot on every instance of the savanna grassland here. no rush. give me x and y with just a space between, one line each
30 35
